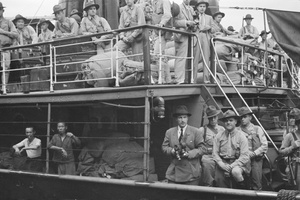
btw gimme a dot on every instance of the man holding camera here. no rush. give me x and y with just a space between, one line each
183 143
258 145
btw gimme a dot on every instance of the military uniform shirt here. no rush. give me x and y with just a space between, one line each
95 25
46 36
27 35
68 28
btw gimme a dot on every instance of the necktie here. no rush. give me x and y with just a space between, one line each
181 133
21 38
229 145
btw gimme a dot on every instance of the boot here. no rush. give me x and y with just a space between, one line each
241 185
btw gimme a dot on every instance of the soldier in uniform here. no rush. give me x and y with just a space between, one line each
292 126
65 26
230 152
75 14
258 145
209 133
8 33
184 22
183 144
27 34
131 16
92 24
204 36
46 30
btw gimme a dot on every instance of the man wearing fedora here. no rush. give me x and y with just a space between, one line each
217 29
132 15
65 26
27 34
209 133
290 145
92 24
257 143
248 31
46 27
187 169
204 36
184 22
230 152
8 33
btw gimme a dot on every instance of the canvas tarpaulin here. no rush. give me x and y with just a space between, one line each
285 27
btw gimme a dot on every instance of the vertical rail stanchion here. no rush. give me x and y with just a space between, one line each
146 139
160 59
192 58
212 62
117 63
48 136
146 56
189 61
51 68
54 64
3 73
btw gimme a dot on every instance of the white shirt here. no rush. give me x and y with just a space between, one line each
31 153
179 131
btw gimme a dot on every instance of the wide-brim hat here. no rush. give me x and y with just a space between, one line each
264 32
181 110
75 12
219 13
18 16
248 16
1 5
201 2
230 114
89 4
244 111
50 25
57 8
175 9
212 111
295 112
230 28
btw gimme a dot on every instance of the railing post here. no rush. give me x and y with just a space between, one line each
212 62
3 73
54 64
48 136
146 56
160 58
189 61
117 63
51 67
146 139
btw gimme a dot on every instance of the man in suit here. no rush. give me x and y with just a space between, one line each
183 144
184 22
204 36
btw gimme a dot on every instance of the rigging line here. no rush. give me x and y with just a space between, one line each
238 8
36 12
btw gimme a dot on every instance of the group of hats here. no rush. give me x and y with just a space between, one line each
42 21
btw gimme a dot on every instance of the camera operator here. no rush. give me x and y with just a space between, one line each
183 143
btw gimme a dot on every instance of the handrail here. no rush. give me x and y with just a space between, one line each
241 97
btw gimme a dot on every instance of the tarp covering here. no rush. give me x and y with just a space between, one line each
285 27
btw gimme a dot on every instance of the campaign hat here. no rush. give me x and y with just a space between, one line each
1 5
294 112
264 32
248 16
181 110
230 114
230 28
57 8
75 12
212 111
175 9
219 13
50 25
201 2
90 3
18 16
244 111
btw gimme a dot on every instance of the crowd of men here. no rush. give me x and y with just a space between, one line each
229 156
157 12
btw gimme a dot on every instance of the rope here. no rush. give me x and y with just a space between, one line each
36 12
287 194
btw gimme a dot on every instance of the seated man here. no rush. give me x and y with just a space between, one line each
231 153
27 34
32 146
92 24
64 27
131 16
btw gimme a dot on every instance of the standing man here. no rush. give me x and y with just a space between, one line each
132 15
92 24
230 152
8 33
184 22
248 31
32 146
64 27
257 143
62 144
217 28
209 133
204 36
46 30
183 144
27 34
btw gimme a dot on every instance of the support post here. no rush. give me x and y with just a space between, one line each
48 136
146 140
189 63
146 56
